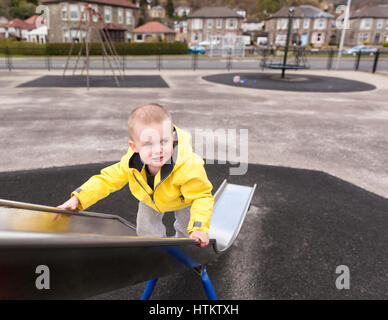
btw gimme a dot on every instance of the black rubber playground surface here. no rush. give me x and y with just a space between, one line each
79 81
302 225
291 82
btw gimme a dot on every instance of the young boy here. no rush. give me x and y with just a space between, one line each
162 172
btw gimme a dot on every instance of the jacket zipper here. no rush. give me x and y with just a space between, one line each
151 196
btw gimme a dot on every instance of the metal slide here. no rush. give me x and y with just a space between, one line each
90 253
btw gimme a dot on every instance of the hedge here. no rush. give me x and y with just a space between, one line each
62 49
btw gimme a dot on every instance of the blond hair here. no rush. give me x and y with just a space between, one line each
147 113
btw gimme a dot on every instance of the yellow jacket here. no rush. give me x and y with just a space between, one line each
180 183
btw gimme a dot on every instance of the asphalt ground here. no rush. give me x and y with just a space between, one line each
291 82
302 225
80 81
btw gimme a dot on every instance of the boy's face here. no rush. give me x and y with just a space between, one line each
154 142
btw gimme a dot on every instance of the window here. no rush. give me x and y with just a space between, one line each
108 14
306 23
366 24
320 24
231 24
73 8
318 37
210 23
282 24
75 34
82 10
64 11
219 23
94 14
196 24
296 24
128 16
139 37
281 39
66 35
120 15
363 37
196 36
380 23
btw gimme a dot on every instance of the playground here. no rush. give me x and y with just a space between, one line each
318 159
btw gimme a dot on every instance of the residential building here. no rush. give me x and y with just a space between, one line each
252 25
310 25
157 12
16 28
212 22
153 32
38 35
241 12
180 28
368 25
182 11
118 16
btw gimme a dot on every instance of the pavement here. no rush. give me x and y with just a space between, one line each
343 134
319 161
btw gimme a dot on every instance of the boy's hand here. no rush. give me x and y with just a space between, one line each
201 237
70 204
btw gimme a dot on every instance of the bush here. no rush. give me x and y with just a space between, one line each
63 49
385 44
24 48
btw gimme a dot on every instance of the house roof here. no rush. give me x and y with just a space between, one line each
115 3
379 11
32 20
153 27
303 11
17 23
215 12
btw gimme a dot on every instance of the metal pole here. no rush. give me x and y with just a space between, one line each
149 289
330 59
229 59
290 15
357 64
346 22
207 285
8 54
159 57
47 58
377 54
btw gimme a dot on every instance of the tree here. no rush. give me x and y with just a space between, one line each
143 4
266 7
170 8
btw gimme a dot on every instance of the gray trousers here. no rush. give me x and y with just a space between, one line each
149 222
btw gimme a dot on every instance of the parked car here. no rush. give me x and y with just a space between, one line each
364 50
197 49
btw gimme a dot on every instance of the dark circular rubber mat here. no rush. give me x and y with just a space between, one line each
291 82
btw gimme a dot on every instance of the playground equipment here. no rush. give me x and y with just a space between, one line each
298 51
91 27
90 253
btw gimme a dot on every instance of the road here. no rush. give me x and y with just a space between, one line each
182 63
